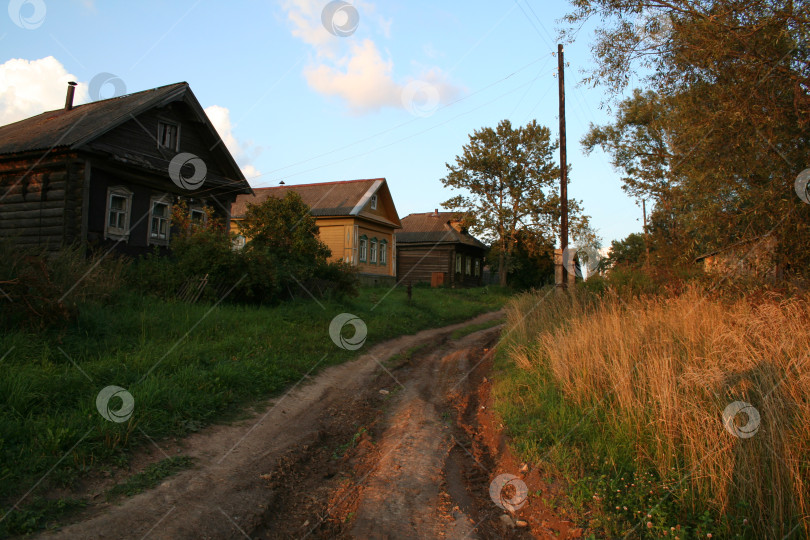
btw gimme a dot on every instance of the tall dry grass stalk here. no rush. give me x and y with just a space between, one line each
667 368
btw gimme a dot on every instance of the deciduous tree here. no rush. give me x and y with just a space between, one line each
509 182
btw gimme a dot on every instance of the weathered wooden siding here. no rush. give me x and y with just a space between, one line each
415 264
137 139
40 199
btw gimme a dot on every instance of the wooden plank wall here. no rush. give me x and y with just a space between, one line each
421 261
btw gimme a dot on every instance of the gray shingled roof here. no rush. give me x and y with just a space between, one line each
61 128
433 227
325 198
71 129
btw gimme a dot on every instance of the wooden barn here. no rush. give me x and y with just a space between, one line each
433 247
356 219
106 174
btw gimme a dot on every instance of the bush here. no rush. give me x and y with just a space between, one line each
42 288
284 258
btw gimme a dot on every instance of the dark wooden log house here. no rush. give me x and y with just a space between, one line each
436 243
99 175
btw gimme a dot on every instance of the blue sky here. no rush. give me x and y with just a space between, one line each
396 98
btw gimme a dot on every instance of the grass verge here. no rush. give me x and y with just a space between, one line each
626 401
151 476
184 365
467 330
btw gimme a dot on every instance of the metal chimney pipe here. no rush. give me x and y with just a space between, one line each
69 100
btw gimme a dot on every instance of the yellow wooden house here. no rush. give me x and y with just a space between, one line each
355 218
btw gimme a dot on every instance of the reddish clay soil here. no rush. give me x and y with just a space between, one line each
396 444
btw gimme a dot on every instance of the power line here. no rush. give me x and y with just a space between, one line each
549 45
412 120
409 136
539 21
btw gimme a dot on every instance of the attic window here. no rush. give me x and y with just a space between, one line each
168 135
373 202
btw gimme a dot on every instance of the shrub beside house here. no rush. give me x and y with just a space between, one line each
356 219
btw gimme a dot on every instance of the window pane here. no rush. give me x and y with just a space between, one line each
160 209
167 135
112 221
121 220
117 202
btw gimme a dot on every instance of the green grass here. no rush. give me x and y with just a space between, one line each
185 366
150 476
39 514
467 330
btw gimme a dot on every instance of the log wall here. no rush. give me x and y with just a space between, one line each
40 199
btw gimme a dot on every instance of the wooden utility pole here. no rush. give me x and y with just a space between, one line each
563 168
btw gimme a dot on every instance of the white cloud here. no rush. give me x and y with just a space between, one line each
242 151
355 70
363 79
305 15
31 87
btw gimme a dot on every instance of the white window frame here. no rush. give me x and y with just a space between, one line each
373 202
355 245
363 249
468 266
162 123
238 243
201 210
383 252
477 267
373 251
118 233
159 199
458 263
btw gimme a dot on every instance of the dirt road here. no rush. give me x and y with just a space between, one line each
397 444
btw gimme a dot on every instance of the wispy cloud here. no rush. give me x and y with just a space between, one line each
244 152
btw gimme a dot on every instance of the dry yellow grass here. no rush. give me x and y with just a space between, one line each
667 368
